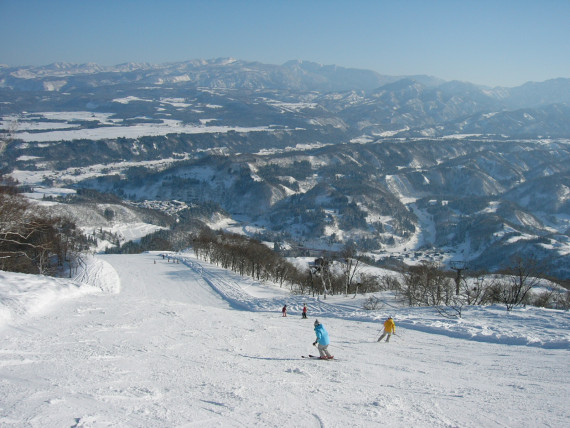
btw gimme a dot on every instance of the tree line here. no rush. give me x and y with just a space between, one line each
33 240
427 284
336 273
341 273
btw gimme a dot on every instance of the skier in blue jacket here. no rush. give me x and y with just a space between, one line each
322 340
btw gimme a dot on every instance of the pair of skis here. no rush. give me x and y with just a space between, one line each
316 357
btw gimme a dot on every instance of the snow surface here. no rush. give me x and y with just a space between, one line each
142 341
29 126
168 126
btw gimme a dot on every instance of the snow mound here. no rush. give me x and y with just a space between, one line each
26 295
23 295
100 274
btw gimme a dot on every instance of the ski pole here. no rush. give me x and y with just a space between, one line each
399 337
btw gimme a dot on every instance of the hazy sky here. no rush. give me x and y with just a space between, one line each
495 43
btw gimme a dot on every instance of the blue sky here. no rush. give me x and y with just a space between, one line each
494 43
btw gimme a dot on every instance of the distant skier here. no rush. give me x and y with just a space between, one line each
322 340
284 311
304 310
389 329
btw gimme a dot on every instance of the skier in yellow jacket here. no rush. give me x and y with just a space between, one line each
389 329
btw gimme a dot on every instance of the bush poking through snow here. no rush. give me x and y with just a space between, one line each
372 303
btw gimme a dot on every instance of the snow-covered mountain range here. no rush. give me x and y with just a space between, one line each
312 156
417 102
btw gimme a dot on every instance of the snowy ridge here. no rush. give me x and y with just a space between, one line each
537 327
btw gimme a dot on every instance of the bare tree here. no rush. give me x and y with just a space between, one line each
477 290
472 291
350 265
320 271
389 282
367 283
544 299
372 303
453 308
31 240
426 285
562 300
513 288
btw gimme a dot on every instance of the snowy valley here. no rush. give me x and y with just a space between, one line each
406 168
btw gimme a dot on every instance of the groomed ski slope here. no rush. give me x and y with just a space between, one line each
144 342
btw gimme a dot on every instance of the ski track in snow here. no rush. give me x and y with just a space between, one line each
160 346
